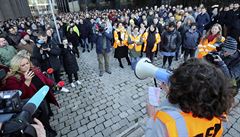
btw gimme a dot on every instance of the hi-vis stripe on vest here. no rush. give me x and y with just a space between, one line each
185 125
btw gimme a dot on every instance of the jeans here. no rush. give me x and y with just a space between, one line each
103 56
85 43
190 52
134 61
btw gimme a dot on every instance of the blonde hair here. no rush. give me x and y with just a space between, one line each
15 64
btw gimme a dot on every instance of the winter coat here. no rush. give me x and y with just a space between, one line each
14 39
99 42
73 38
206 46
13 83
28 46
47 59
87 28
151 41
69 61
202 20
170 41
191 40
6 54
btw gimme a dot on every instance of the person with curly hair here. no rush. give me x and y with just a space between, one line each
198 99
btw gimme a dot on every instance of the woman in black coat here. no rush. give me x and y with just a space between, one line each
69 62
73 38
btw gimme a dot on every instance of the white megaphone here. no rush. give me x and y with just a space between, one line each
144 69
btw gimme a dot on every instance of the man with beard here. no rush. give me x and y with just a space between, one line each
6 52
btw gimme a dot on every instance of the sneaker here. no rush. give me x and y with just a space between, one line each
65 90
100 74
108 71
73 85
78 82
88 50
83 50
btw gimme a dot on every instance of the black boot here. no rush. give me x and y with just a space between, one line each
128 60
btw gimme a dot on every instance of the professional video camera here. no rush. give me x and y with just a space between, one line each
210 57
16 116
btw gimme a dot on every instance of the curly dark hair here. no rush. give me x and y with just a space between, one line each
200 88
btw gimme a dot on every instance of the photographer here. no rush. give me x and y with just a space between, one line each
103 47
229 61
39 128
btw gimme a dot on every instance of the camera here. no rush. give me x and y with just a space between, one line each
210 57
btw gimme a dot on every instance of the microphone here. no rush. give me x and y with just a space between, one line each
22 120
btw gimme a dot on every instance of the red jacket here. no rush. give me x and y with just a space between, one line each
12 83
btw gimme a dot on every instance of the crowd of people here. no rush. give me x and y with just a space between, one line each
30 46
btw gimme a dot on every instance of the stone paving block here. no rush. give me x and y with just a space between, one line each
234 132
93 116
89 133
123 114
78 117
103 106
86 114
100 113
98 135
60 126
108 116
115 119
84 121
108 123
94 110
82 129
228 135
130 111
73 133
69 122
100 120
106 132
75 125
91 124
65 130
99 128
115 106
116 112
115 127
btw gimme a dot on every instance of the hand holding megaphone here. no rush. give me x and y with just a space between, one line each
144 69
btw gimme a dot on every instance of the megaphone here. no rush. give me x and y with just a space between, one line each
144 69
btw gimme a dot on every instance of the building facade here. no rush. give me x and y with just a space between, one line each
12 9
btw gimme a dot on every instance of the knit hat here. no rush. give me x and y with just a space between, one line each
230 45
23 34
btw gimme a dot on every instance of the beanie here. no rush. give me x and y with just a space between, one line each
230 45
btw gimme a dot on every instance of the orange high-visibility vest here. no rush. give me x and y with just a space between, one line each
158 40
135 40
180 124
117 42
205 47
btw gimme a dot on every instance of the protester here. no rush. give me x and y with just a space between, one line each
151 40
29 80
190 41
103 47
135 45
70 63
171 40
211 41
120 44
6 52
193 109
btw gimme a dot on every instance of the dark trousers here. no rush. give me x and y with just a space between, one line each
150 55
120 61
70 77
57 76
188 52
85 43
169 58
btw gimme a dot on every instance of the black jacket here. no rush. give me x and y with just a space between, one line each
69 61
170 41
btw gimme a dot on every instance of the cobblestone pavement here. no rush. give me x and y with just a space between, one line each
108 105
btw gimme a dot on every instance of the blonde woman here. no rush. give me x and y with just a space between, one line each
28 79
211 41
